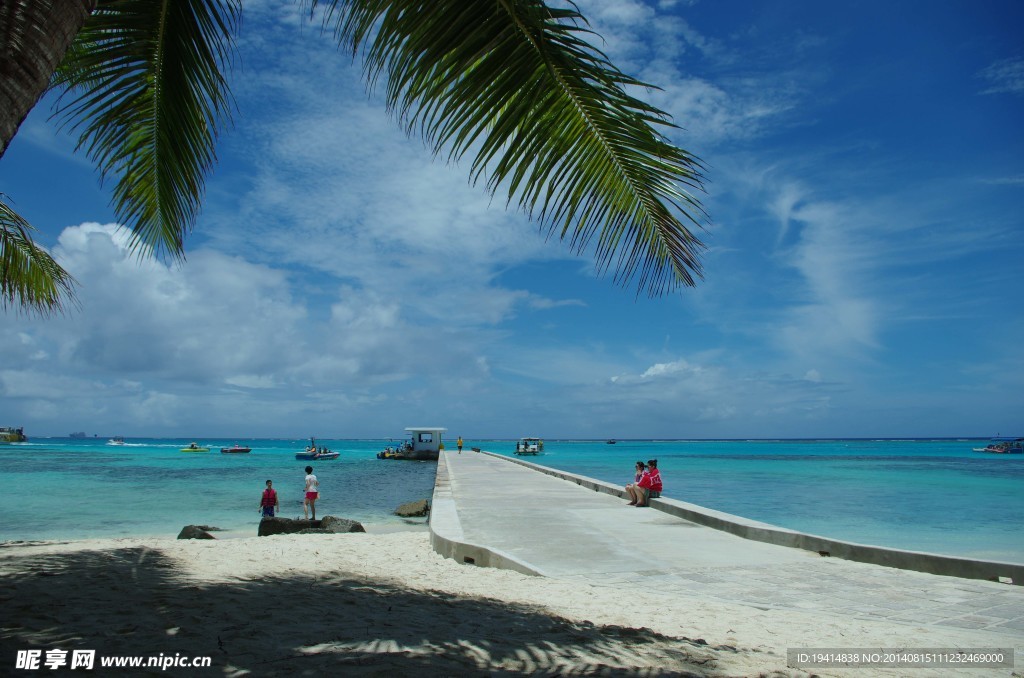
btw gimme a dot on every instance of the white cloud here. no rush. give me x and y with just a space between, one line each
1005 76
343 281
1013 180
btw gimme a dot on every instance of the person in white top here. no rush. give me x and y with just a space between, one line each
312 493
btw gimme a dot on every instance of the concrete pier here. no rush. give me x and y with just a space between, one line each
495 511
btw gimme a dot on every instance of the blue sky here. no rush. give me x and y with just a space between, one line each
863 277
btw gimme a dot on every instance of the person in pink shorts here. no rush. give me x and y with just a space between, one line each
312 493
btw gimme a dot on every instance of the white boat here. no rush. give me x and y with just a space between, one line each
529 446
116 440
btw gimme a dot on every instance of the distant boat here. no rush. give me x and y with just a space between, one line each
12 435
235 449
79 434
531 446
424 444
314 455
1003 446
391 453
195 448
116 440
612 441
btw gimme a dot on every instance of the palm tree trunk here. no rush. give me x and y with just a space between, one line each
34 35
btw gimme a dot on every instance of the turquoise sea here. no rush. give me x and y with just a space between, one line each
927 495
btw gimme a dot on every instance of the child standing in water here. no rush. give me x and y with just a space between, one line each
269 501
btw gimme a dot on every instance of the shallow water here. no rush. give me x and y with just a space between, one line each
926 495
64 488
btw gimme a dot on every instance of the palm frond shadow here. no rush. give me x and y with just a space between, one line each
306 625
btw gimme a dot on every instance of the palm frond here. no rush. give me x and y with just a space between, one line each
549 117
29 277
144 89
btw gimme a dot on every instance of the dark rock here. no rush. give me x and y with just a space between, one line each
341 525
271 526
413 508
194 532
329 525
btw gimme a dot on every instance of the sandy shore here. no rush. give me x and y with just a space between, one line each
384 604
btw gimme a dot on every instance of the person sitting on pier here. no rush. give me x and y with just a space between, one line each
631 489
650 485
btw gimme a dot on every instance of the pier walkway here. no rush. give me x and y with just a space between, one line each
495 512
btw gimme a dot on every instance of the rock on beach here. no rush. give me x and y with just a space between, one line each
413 509
195 532
327 525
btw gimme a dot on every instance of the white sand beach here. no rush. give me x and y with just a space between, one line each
385 604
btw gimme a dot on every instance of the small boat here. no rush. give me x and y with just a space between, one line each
116 440
9 434
611 441
400 451
312 453
235 449
423 444
315 455
195 448
529 446
1003 446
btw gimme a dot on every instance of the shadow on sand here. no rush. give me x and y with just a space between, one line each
131 601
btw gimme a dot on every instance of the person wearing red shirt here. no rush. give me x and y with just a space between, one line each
650 484
269 502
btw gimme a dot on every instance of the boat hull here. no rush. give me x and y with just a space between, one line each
422 455
1003 446
309 456
235 450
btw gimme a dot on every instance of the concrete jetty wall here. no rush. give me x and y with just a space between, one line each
446 539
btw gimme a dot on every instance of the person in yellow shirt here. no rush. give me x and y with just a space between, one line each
459 443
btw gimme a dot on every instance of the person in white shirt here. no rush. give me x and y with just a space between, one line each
312 493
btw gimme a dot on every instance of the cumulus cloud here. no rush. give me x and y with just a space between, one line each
217 334
342 281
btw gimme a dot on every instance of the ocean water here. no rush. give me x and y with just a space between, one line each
937 496
925 495
62 488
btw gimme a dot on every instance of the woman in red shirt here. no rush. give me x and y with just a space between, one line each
650 484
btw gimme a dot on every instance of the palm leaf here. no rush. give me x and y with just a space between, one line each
143 87
548 117
29 277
